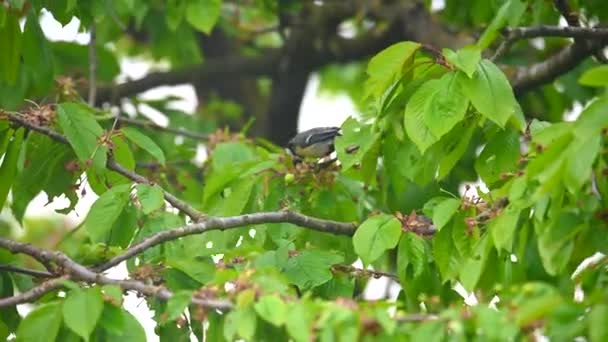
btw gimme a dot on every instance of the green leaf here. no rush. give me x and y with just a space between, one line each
70 58
82 131
299 320
42 324
203 14
578 166
448 106
151 197
465 59
311 268
412 251
376 235
111 319
445 254
417 110
132 331
387 65
357 137
443 212
592 119
272 309
500 155
45 170
10 40
503 228
595 77
8 169
106 211
598 323
177 304
490 92
82 309
509 13
226 155
145 143
202 271
37 55
494 325
235 202
473 267
8 315
241 321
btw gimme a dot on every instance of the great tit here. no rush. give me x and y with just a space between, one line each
316 142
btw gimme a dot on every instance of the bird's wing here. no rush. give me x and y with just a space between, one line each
320 134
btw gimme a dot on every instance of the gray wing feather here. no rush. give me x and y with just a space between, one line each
320 134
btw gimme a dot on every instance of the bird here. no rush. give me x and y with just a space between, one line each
314 143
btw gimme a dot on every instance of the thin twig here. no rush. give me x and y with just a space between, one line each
363 272
184 207
112 165
413 318
92 66
27 271
155 126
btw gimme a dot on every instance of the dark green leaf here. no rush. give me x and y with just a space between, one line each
8 169
503 228
10 40
412 251
499 156
132 332
37 55
445 253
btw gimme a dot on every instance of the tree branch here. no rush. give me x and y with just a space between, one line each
527 78
182 206
516 33
92 65
112 165
76 271
26 271
34 293
224 223
212 70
